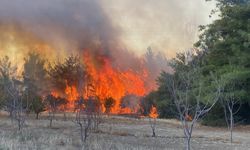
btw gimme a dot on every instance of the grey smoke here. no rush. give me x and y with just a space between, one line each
78 24
75 25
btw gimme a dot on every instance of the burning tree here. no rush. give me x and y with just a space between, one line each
68 78
108 104
130 104
153 115
147 102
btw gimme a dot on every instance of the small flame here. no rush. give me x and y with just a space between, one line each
153 112
126 110
54 93
188 117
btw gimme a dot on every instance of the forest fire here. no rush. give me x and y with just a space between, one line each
103 81
111 70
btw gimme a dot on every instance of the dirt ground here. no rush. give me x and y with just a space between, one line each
116 133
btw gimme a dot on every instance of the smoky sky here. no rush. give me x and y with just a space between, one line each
111 28
107 24
64 24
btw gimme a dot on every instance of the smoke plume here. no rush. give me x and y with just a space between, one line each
58 28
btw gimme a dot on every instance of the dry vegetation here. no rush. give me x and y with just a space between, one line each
116 133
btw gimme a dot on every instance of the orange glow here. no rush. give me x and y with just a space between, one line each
72 95
55 94
188 117
153 112
108 81
125 111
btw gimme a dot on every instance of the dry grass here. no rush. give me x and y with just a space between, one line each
116 133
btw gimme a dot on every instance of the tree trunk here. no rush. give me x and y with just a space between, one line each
37 115
19 125
64 116
153 133
50 122
188 139
231 126
85 134
11 114
81 130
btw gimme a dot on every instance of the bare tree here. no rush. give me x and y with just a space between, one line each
83 119
53 103
231 105
88 116
94 106
15 91
188 95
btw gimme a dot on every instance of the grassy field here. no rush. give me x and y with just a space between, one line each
116 133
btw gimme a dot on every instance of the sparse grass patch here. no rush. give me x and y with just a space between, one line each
112 135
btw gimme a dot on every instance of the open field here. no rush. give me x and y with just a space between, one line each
116 133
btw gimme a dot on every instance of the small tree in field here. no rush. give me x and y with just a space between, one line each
52 104
153 115
231 106
88 116
83 119
38 106
190 96
232 94
15 91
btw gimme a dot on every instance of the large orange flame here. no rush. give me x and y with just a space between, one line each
72 95
108 81
105 81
